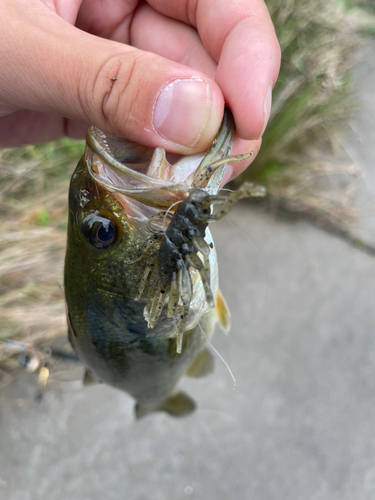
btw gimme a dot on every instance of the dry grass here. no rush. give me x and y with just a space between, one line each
33 206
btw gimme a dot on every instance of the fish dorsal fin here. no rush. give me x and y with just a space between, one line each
223 312
202 365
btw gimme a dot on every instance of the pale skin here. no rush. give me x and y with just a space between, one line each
123 65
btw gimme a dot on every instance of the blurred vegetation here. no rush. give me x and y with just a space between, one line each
311 94
367 5
311 99
34 185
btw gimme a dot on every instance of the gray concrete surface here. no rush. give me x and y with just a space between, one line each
300 424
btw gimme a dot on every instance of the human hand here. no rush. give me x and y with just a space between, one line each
157 73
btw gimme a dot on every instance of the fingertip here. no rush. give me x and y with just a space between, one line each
247 71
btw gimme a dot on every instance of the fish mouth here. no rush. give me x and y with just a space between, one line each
153 177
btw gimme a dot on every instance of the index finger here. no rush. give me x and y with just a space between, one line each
241 38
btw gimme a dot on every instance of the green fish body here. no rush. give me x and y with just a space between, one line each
138 316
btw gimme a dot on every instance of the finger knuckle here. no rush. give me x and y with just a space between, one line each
114 91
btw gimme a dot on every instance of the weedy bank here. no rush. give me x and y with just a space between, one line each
312 99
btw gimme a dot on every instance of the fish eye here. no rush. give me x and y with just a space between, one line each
103 233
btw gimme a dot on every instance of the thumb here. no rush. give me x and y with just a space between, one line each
53 67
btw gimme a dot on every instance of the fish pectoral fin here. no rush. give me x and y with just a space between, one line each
223 312
202 365
89 379
178 405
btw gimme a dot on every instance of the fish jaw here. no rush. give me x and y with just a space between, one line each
148 176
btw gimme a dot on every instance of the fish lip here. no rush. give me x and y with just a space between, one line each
114 176
99 143
153 191
96 140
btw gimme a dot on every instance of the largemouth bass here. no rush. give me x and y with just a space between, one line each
141 276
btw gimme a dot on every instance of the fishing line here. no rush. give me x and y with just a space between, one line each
167 212
178 202
195 314
212 347
174 175
217 352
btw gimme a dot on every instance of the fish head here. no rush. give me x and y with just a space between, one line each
104 229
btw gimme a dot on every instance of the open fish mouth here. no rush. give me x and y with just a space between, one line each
151 176
168 201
